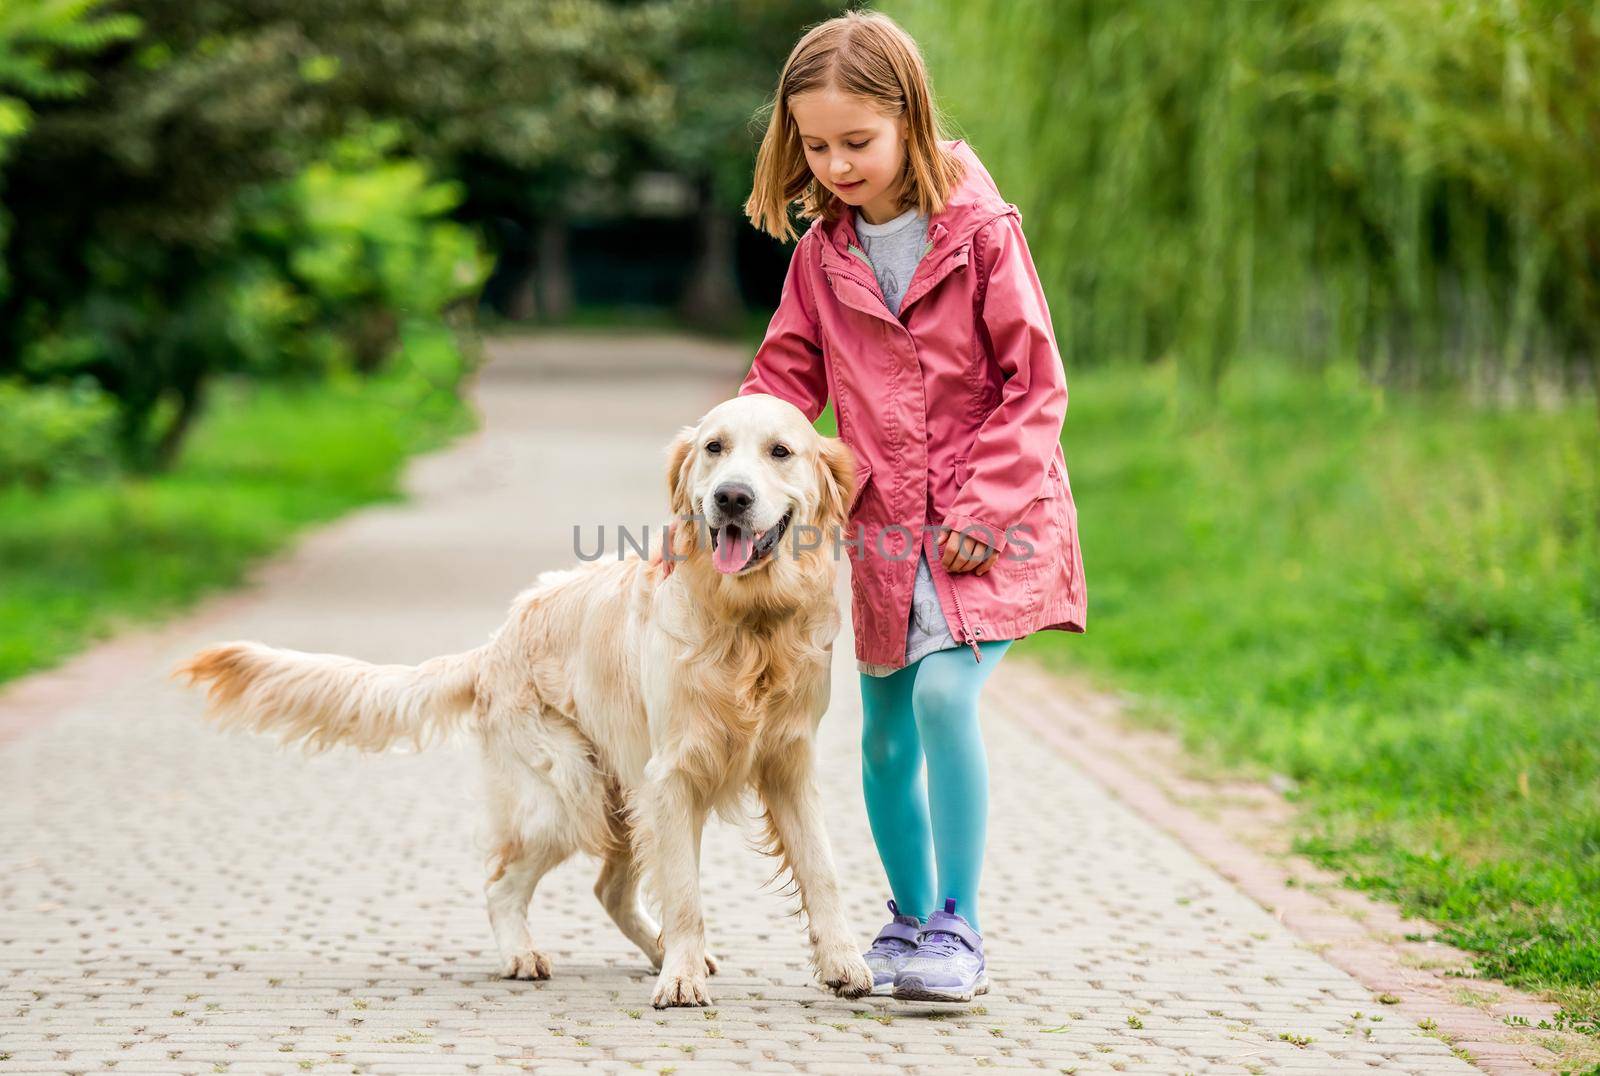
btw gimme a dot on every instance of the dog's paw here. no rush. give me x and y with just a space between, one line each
528 965
680 989
845 972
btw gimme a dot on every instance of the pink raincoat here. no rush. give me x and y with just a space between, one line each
954 412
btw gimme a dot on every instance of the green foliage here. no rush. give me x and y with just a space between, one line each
1393 600
124 271
257 187
527 102
78 561
1407 183
34 36
723 67
247 189
55 433
355 247
327 269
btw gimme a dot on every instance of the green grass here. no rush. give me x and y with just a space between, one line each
78 562
1393 600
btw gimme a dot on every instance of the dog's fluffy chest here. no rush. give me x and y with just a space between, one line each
750 695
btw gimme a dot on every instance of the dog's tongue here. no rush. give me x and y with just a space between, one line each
733 550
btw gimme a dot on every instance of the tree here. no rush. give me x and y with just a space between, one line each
125 270
723 68
530 103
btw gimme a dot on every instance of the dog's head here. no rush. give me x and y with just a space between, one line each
753 485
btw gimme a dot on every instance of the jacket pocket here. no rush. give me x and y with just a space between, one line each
863 476
1052 482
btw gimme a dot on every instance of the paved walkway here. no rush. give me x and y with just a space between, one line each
179 900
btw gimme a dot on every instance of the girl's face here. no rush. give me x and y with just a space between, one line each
853 150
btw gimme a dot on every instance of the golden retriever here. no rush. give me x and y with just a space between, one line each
624 700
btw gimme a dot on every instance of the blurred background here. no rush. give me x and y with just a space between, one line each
1325 276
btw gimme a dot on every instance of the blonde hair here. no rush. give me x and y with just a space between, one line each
866 54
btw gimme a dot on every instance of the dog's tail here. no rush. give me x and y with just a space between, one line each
319 700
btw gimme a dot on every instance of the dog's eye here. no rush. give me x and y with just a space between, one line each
713 447
781 451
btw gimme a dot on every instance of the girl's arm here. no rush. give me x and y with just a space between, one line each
788 364
1010 459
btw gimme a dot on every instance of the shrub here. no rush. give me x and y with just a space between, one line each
51 433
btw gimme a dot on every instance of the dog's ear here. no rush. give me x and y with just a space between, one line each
678 468
836 477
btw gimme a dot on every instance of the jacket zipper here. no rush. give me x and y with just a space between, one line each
972 641
858 252
968 635
884 313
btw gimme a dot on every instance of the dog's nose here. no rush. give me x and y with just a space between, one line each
734 497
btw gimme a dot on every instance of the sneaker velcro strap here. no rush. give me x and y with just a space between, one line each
903 931
940 924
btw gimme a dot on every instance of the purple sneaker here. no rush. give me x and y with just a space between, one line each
890 948
948 964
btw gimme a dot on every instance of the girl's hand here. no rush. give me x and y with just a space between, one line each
964 553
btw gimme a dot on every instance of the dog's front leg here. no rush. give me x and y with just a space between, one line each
671 818
797 835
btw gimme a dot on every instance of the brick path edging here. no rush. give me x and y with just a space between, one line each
1347 927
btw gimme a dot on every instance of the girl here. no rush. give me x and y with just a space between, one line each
912 301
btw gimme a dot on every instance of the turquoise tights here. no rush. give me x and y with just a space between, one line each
929 710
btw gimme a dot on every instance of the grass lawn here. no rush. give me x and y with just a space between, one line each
1394 601
78 562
